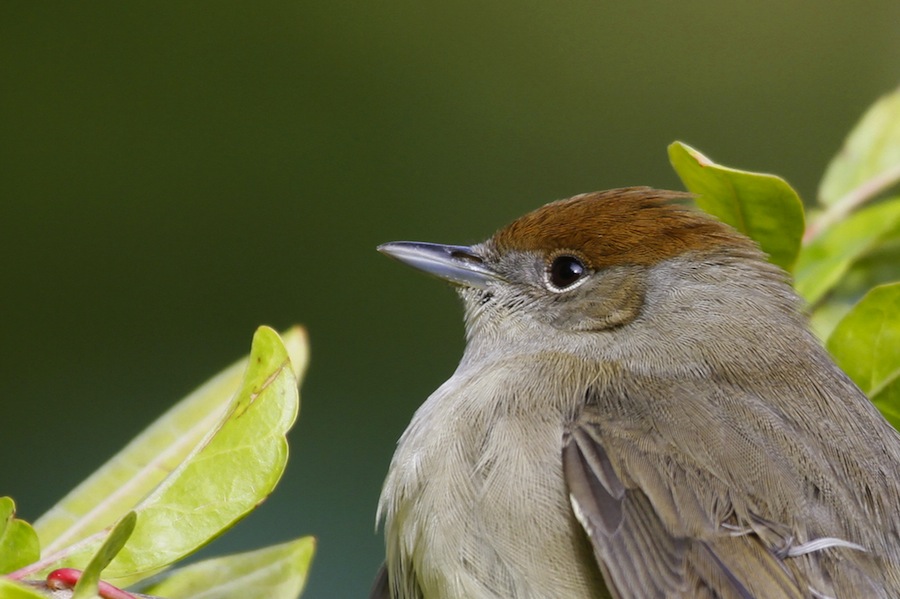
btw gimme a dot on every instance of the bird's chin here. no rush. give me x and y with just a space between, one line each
475 300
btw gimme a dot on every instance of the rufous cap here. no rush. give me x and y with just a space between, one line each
632 225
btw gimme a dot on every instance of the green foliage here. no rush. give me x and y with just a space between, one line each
847 251
19 544
186 479
866 344
869 162
859 247
277 571
129 476
87 585
827 258
10 589
763 207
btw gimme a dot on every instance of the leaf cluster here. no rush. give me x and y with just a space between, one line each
186 479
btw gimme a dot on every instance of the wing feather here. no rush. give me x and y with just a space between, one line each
642 556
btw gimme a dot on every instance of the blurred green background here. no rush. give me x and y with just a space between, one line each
174 174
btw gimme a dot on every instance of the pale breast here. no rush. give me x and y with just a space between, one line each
475 503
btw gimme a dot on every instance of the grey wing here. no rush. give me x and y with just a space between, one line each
642 555
766 489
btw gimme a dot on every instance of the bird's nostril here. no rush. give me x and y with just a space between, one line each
461 255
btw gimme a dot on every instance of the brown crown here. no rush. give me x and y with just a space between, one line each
633 225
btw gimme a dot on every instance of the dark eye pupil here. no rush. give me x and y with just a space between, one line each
565 270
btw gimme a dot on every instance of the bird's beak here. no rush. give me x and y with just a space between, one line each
458 264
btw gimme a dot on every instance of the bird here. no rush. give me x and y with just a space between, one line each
640 411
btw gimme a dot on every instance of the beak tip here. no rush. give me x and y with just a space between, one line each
392 249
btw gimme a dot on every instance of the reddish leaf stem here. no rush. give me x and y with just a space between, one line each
66 578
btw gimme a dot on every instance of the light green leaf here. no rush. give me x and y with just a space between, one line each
19 544
879 266
828 257
231 470
826 316
869 162
866 345
114 489
763 207
277 572
86 587
10 589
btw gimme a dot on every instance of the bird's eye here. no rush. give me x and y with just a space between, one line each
565 271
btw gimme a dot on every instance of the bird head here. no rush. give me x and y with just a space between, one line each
584 270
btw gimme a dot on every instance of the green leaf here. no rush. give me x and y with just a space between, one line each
86 587
827 258
879 266
10 589
230 471
277 572
115 488
19 544
826 316
763 207
869 162
866 345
